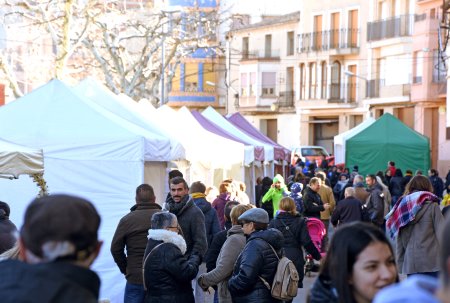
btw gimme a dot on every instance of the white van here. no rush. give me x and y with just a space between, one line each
311 153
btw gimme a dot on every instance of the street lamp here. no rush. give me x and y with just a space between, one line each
350 74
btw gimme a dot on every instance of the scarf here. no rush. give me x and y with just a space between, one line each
174 207
406 209
198 195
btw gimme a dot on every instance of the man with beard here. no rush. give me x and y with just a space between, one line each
375 202
190 217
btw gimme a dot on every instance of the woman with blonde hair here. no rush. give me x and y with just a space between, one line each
293 227
227 257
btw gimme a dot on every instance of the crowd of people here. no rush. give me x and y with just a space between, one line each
204 244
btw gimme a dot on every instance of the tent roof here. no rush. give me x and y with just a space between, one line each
201 145
212 115
55 117
389 130
17 160
341 139
123 107
388 139
239 121
251 152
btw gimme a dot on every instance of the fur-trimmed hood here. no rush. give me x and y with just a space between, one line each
168 236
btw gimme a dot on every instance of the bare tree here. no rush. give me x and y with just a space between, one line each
129 47
123 47
52 29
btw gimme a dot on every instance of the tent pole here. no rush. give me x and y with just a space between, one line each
253 184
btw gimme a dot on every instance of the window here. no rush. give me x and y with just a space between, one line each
302 82
439 71
323 89
290 44
191 77
312 81
244 85
418 67
268 83
245 48
209 77
252 85
268 46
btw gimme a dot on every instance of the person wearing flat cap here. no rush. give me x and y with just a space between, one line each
259 259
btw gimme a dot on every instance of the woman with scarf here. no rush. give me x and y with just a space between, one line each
415 221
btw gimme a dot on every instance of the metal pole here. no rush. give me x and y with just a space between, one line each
162 70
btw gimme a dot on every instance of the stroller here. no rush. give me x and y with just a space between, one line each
317 232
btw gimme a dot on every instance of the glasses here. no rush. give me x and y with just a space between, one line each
173 227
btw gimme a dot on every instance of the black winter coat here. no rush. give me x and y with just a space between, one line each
55 282
192 223
296 235
397 186
313 203
7 232
167 272
256 260
322 291
438 185
212 225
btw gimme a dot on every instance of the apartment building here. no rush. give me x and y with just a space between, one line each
330 71
263 60
389 63
429 81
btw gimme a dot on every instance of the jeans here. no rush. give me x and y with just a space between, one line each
134 293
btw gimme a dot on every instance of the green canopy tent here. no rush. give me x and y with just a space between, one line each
388 139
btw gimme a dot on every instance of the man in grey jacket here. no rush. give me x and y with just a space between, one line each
191 221
375 201
190 217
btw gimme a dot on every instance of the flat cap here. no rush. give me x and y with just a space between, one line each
257 215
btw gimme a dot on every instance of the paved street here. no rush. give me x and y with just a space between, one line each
307 283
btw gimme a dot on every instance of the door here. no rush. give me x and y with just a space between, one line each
334 41
351 91
317 44
272 129
353 28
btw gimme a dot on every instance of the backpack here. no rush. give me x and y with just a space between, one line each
285 282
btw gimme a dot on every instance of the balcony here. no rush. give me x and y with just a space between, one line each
342 93
400 26
377 88
264 54
286 99
339 40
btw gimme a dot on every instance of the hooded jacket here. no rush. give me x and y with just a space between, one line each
212 226
276 194
167 272
418 242
256 260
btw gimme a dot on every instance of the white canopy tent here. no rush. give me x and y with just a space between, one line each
18 160
341 139
98 93
267 168
206 151
88 152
